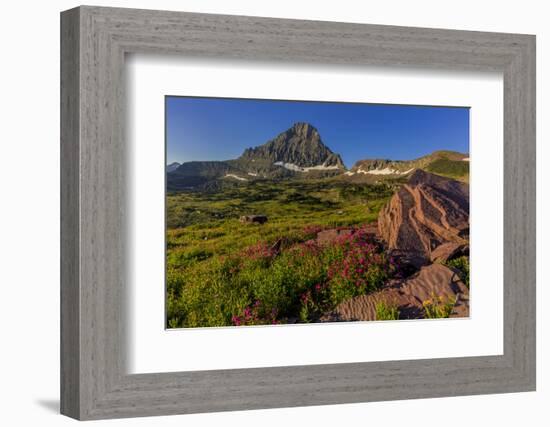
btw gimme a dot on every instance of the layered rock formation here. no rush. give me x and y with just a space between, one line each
425 224
425 213
300 145
408 296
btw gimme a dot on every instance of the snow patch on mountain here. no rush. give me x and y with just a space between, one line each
172 167
385 171
230 175
322 167
296 168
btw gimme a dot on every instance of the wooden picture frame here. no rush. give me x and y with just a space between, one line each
94 382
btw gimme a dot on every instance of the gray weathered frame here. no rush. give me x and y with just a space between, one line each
94 41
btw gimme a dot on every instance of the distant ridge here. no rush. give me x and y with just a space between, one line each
296 152
443 162
172 166
300 153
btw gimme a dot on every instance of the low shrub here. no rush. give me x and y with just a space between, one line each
385 311
263 284
359 267
438 307
314 302
462 264
255 314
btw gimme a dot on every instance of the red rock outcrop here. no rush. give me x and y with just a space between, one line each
408 295
425 213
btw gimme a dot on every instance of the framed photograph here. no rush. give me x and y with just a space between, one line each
291 232
261 213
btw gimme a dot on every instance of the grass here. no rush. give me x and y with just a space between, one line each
462 265
201 225
456 169
438 307
385 311
221 272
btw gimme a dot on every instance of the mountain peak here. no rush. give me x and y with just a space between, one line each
300 145
172 166
305 130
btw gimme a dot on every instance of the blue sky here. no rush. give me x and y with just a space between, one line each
220 129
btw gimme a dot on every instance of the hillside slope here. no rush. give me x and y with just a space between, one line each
448 163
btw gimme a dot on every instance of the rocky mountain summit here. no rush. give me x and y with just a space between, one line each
300 145
172 167
296 152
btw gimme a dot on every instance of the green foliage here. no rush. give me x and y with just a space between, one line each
462 264
385 311
357 271
449 168
438 307
221 272
305 202
314 302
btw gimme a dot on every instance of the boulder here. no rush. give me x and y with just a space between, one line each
332 234
425 213
408 295
253 219
328 236
448 251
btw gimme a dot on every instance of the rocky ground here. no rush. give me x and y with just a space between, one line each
424 226
409 296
